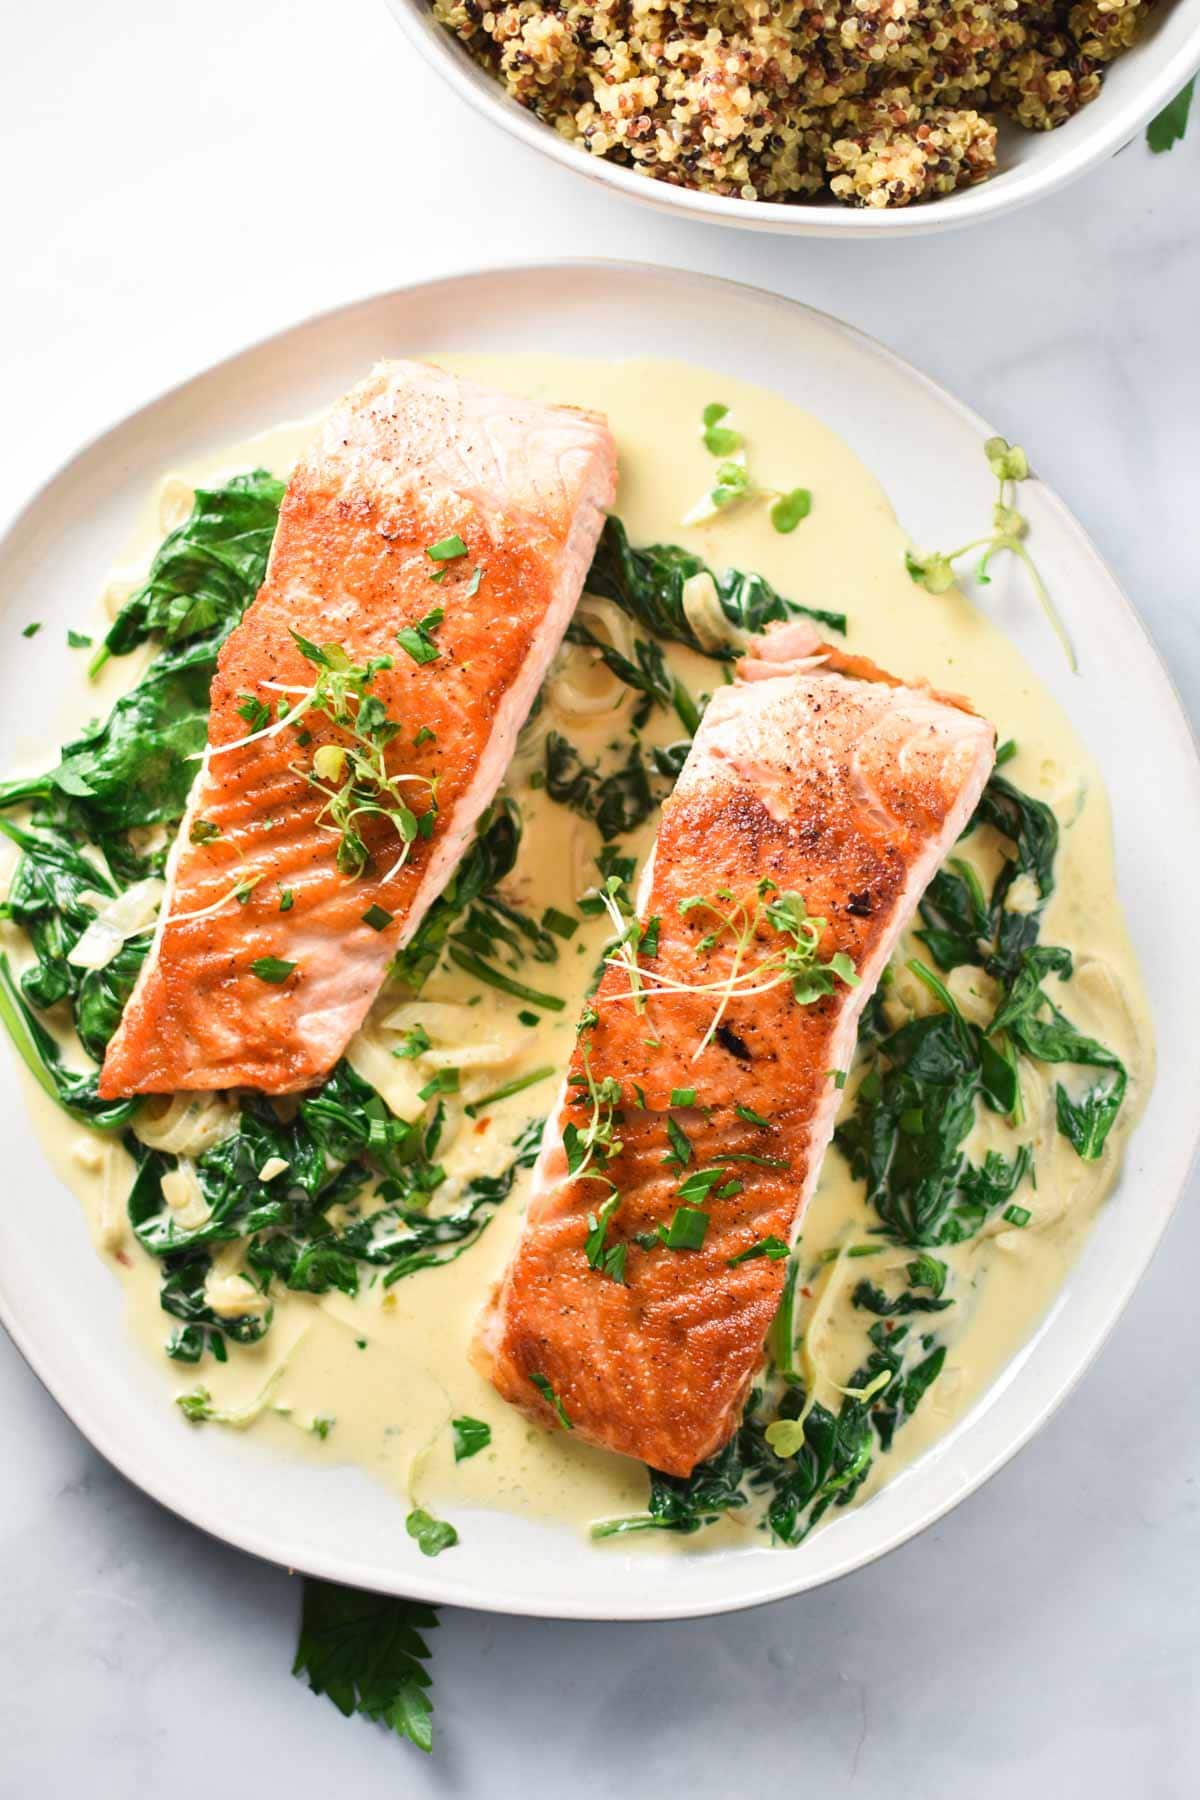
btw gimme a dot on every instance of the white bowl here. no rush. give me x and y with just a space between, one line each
1136 87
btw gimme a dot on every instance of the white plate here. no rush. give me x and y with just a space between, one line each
63 1307
1031 163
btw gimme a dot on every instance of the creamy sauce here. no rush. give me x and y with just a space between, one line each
376 1381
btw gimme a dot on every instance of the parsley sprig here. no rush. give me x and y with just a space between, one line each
367 1654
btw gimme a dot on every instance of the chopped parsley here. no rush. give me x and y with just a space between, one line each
256 712
418 639
272 969
448 550
686 1230
771 1247
607 1259
470 1436
445 1081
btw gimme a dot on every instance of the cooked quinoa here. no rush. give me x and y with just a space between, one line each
875 102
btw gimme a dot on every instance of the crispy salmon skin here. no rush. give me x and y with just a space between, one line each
711 1091
265 989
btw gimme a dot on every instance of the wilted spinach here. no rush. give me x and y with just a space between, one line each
648 585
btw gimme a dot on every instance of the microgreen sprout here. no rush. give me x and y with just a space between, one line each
934 570
734 483
737 926
352 776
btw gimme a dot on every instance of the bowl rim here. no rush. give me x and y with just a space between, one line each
1000 194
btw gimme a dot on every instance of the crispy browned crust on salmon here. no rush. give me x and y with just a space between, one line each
848 791
411 457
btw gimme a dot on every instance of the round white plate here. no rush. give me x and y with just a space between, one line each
61 1304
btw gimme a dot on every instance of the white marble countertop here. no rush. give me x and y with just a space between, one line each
180 180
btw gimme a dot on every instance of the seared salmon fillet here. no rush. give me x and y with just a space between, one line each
813 775
265 990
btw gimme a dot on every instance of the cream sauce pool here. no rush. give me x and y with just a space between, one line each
377 1380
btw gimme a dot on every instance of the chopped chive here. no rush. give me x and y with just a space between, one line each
560 923
377 917
548 1394
838 1077
687 1229
413 1042
287 899
33 629
1017 1215
203 831
771 1247
494 978
528 1018
683 1096
424 736
516 1086
680 1153
444 1082
447 550
751 1117
78 640
472 587
1005 752
272 969
648 937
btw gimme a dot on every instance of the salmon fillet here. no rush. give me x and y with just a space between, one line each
839 784
410 459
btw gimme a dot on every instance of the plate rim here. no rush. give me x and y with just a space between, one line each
425 1585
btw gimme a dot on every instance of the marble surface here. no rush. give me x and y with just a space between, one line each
181 179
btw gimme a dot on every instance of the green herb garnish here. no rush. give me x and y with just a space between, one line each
470 1437
432 1535
548 1394
272 969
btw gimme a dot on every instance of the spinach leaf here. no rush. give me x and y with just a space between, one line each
914 1108
74 1092
207 570
490 858
648 584
1041 1031
647 676
366 1653
615 801
822 1463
